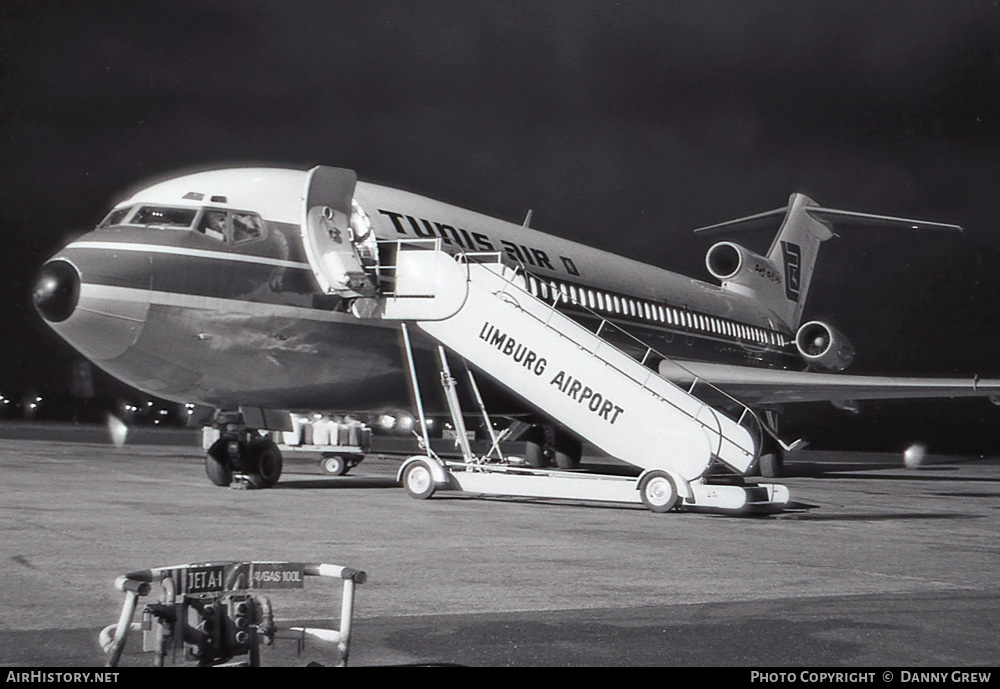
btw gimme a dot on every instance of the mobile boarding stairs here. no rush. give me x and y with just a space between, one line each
691 453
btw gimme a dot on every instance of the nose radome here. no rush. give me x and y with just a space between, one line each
57 290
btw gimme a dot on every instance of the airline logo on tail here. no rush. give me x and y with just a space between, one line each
793 269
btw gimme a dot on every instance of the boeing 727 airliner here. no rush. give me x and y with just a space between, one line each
255 291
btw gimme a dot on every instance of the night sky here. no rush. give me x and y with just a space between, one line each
624 125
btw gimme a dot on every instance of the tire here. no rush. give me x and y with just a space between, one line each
217 469
772 464
418 480
658 491
568 450
267 463
334 465
534 448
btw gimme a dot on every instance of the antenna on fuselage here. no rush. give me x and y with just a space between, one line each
527 219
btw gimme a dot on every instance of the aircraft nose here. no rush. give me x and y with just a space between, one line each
57 291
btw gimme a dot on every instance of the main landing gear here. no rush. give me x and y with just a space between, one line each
542 448
240 456
772 464
772 459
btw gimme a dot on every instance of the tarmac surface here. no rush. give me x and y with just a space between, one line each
873 565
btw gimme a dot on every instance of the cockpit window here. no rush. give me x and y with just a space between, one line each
220 224
246 226
115 217
173 218
229 226
213 224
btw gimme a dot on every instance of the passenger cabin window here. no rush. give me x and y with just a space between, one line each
168 218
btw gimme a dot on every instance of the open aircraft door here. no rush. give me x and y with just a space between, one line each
338 236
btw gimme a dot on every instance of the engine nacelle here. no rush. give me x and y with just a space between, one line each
743 271
725 260
823 346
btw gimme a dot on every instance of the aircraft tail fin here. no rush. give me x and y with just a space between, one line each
804 226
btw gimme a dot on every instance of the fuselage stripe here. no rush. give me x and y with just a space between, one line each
251 308
624 310
183 251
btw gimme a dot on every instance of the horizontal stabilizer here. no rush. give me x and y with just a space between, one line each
853 218
769 219
759 221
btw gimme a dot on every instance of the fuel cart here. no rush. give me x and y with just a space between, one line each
217 614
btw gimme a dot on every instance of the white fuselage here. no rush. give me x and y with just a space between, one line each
239 320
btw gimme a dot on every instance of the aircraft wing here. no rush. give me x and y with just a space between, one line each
760 386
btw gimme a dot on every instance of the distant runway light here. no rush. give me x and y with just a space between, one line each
914 456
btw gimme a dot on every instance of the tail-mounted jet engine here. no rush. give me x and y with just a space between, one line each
725 260
823 346
741 270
